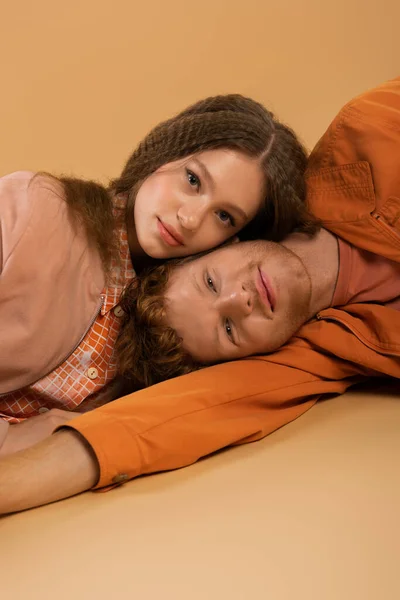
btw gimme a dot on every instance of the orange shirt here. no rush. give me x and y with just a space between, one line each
366 277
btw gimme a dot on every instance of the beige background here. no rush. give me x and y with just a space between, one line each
309 513
312 511
83 81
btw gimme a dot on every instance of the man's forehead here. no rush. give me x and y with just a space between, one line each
230 248
231 254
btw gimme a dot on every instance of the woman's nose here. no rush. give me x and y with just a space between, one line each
191 214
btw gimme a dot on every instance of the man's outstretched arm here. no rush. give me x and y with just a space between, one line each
58 467
169 426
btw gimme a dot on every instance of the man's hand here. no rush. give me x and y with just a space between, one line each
60 466
34 430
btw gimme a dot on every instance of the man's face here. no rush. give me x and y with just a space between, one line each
243 299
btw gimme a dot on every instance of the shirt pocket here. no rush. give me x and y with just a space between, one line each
388 216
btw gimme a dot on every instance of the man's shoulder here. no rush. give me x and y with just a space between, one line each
361 122
376 104
353 176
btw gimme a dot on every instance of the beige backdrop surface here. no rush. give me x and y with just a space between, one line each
82 81
312 510
309 513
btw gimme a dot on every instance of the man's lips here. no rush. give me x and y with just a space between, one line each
265 290
169 234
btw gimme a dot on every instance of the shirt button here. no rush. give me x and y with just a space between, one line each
120 478
118 311
43 409
92 373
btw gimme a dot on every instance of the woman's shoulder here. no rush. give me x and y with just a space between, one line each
19 186
17 179
22 187
14 194
36 226
50 278
23 194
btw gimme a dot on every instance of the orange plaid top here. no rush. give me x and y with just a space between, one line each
92 364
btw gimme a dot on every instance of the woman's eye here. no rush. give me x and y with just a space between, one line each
192 178
226 218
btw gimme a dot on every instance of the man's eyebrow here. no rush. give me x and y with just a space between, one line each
218 342
217 337
217 331
228 205
196 284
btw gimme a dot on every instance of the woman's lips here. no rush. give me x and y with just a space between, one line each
169 235
265 290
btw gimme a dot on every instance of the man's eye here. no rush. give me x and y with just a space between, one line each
210 283
192 178
228 329
226 218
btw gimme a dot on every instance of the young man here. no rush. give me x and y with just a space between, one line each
354 188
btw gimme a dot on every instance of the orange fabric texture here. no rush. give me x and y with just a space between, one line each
92 364
366 277
354 188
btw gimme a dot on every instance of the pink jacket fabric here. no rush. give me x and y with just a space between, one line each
45 311
59 254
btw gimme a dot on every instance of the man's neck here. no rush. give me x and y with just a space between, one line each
320 256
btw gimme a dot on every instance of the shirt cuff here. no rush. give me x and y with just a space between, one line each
114 446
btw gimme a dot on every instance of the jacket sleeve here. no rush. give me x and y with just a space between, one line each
174 423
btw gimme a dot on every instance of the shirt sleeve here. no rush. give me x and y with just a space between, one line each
176 422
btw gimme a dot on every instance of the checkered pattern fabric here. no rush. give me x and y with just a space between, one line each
92 364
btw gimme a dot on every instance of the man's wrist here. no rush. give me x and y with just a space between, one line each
4 428
63 464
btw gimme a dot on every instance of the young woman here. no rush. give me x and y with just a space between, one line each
69 247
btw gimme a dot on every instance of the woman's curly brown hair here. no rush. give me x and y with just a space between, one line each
148 350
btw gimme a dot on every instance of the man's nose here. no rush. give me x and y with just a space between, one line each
191 214
236 302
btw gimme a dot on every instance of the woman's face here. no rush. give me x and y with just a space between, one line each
196 203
